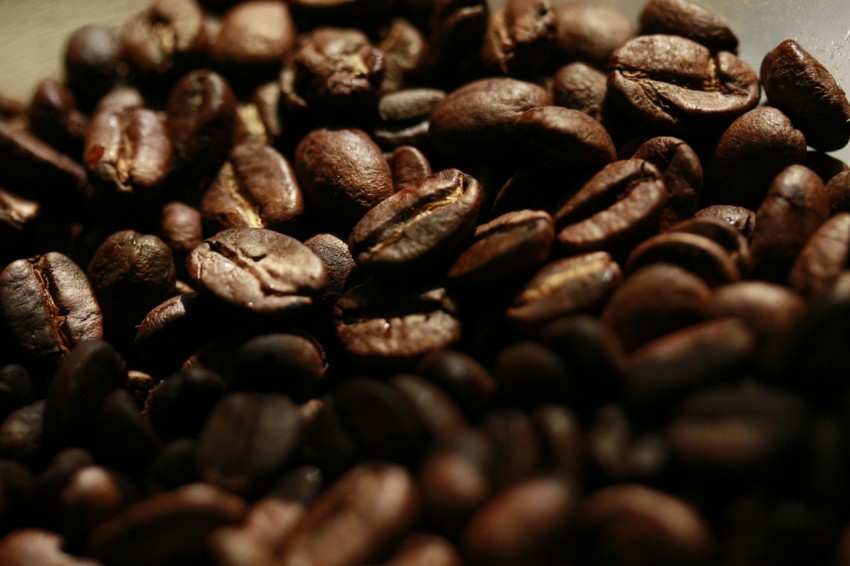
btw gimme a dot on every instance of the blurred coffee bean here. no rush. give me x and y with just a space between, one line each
823 259
34 546
405 51
690 20
404 117
519 37
94 61
699 255
179 406
410 166
580 87
461 376
589 33
743 219
54 117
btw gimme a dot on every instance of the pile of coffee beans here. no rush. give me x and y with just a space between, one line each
424 282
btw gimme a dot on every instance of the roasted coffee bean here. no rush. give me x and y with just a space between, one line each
379 501
410 166
405 54
655 301
579 86
247 441
37 170
92 496
565 138
48 306
340 265
34 546
380 419
699 255
795 207
686 360
181 229
149 530
722 233
425 550
53 479
461 376
824 258
53 116
383 326
201 120
825 165
615 207
799 85
334 72
94 61
256 188
517 453
525 522
457 32
519 37
90 372
253 38
743 219
561 439
769 423
22 433
165 39
751 153
529 374
126 440
838 190
630 523
416 227
258 270
128 151
267 101
505 248
476 121
677 86
589 33
438 413
690 20
404 116
179 406
616 452
566 286
343 174
682 174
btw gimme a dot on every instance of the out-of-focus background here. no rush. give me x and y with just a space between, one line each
33 32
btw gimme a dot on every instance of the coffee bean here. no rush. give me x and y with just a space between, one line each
333 72
725 235
258 270
165 39
565 138
590 33
405 54
92 496
147 529
379 501
128 151
517 453
126 440
526 521
342 271
677 86
19 226
566 286
253 38
179 406
461 376
22 433
425 550
682 174
476 121
616 206
838 190
181 229
699 255
690 20
54 117
267 101
529 374
655 301
94 61
343 174
201 119
35 546
799 85
519 37
48 306
256 188
632 522
752 151
580 87
410 166
439 414
418 226
743 219
404 116
381 326
504 248
795 207
824 258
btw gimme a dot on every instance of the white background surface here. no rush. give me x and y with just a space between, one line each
33 32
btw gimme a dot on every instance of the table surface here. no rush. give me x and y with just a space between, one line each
34 32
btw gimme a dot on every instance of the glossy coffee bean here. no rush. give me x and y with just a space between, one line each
48 306
838 189
417 226
343 175
258 270
799 85
410 166
677 86
565 138
589 33
690 20
725 235
519 37
579 86
616 206
128 152
383 326
256 188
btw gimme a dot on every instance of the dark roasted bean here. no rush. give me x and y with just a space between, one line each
698 254
739 217
94 61
565 138
519 37
579 86
404 116
54 117
405 54
687 19
410 166
589 33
